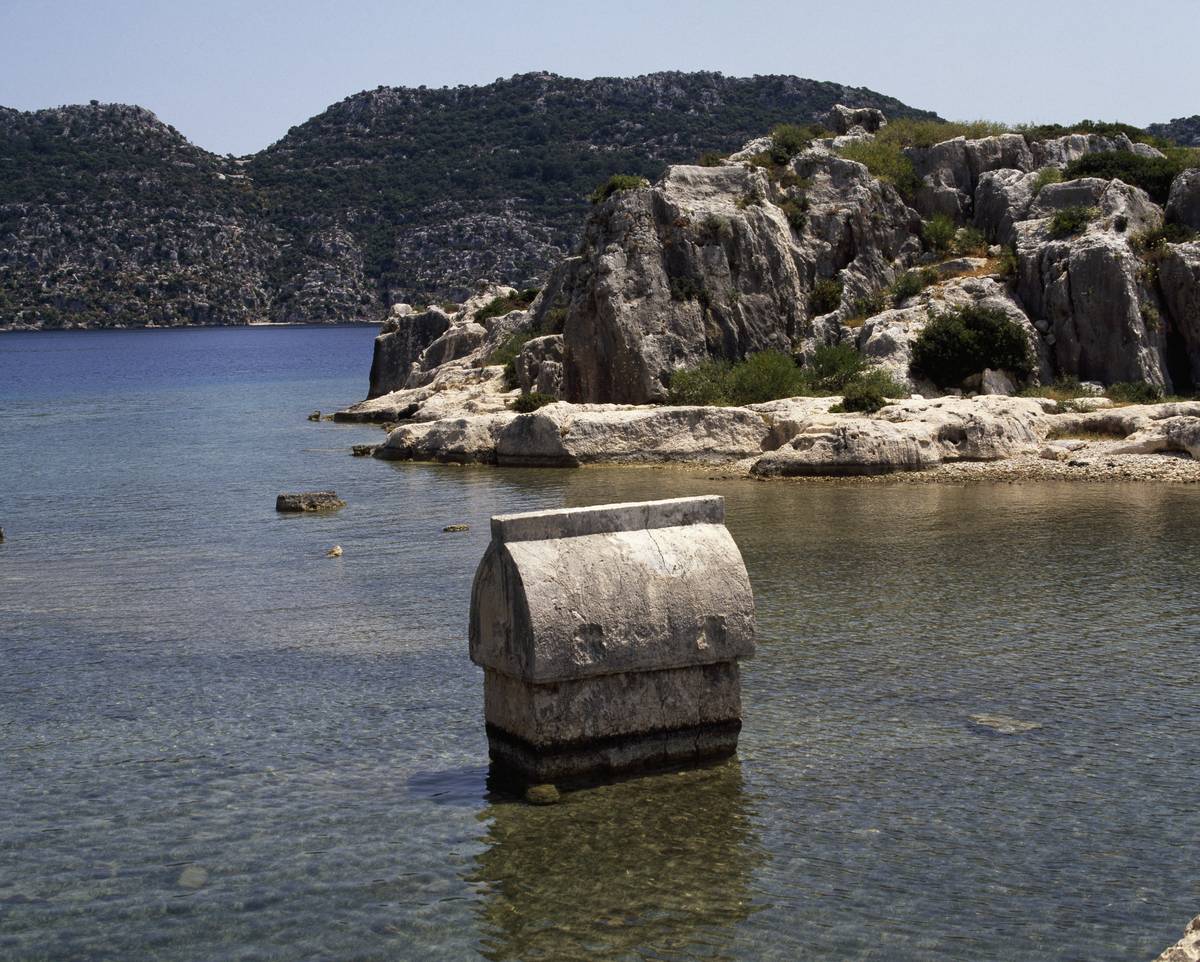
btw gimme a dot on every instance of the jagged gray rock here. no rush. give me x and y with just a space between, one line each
842 119
1091 288
1179 282
403 337
1183 205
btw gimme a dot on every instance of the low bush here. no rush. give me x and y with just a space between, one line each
706 383
751 199
911 283
914 132
764 376
1154 242
499 306
1008 263
1153 174
867 305
938 233
507 354
888 162
870 391
615 183
970 242
795 209
832 367
711 158
524 403
1071 220
1064 389
1134 392
1045 176
787 140
826 296
1101 127
958 343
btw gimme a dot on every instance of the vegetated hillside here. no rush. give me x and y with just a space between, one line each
110 217
1184 131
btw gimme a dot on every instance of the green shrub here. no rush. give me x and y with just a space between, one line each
1134 392
958 343
914 132
499 306
911 283
1008 263
868 305
1066 388
969 241
764 377
615 183
870 391
832 367
795 209
1153 174
751 199
826 296
711 158
1103 128
507 354
787 140
524 403
714 229
706 383
1153 243
1047 175
888 162
938 233
1071 220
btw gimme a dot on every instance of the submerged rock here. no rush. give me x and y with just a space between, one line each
1005 724
542 795
456 527
309 501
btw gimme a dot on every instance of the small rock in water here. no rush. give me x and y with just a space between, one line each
542 795
1005 725
457 527
363 450
309 501
193 877
1 536
315 416
334 552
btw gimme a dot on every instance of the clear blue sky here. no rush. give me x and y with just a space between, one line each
233 76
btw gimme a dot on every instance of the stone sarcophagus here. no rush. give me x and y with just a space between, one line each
609 638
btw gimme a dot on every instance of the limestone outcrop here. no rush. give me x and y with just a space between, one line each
1186 949
1090 287
609 638
908 436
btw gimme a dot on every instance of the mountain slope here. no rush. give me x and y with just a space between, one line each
108 216
1184 131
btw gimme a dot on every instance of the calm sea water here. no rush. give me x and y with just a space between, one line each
216 743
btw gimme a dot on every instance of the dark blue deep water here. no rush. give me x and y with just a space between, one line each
216 743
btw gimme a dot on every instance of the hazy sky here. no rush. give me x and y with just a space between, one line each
233 76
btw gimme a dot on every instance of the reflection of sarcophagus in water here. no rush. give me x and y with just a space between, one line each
609 638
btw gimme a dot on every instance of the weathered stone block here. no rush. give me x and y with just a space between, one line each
609 638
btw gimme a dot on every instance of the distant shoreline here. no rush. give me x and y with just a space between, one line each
20 329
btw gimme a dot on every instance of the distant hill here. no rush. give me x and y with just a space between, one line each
1184 131
108 216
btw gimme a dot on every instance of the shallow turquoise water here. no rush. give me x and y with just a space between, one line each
217 743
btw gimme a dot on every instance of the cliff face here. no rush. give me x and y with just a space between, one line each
110 217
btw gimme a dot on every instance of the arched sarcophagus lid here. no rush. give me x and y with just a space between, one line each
619 622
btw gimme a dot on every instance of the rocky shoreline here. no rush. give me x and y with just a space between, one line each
916 440
792 248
